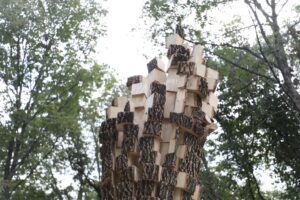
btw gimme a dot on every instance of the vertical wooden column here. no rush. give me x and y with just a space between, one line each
151 141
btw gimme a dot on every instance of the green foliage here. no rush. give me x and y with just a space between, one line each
49 89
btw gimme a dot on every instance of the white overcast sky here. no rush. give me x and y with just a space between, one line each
122 48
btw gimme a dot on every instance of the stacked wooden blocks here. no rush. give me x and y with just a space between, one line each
151 142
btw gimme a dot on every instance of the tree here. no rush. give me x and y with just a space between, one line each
259 108
47 79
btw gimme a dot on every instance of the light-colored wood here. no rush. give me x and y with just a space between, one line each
138 119
200 70
172 146
168 131
112 111
197 54
170 66
180 101
211 73
170 104
118 151
120 139
164 148
193 83
173 39
196 195
178 194
191 99
175 81
156 75
138 101
208 109
211 84
181 151
188 110
182 180
213 101
141 88
120 101
160 64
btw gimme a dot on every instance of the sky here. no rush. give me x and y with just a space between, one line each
122 48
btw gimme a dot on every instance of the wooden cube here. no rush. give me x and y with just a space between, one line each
170 104
180 101
175 81
120 101
182 179
211 84
197 193
173 39
141 88
197 54
213 101
168 131
200 70
211 73
139 101
112 111
193 84
208 109
156 75
181 151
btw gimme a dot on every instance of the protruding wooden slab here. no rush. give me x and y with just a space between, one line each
193 84
173 39
120 101
168 131
112 111
213 101
211 73
180 101
175 81
156 63
170 104
208 109
197 54
156 75
139 101
200 70
141 88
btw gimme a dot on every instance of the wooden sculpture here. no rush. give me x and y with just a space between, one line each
151 142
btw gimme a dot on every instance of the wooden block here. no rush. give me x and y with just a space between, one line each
211 84
164 148
211 73
141 88
192 99
180 101
155 100
147 143
170 104
156 63
172 146
213 101
181 151
196 195
152 157
182 178
156 75
197 54
178 194
112 111
193 83
120 139
151 172
175 81
173 39
200 70
139 101
168 132
120 101
118 151
208 109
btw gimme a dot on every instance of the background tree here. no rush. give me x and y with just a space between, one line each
48 82
258 57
